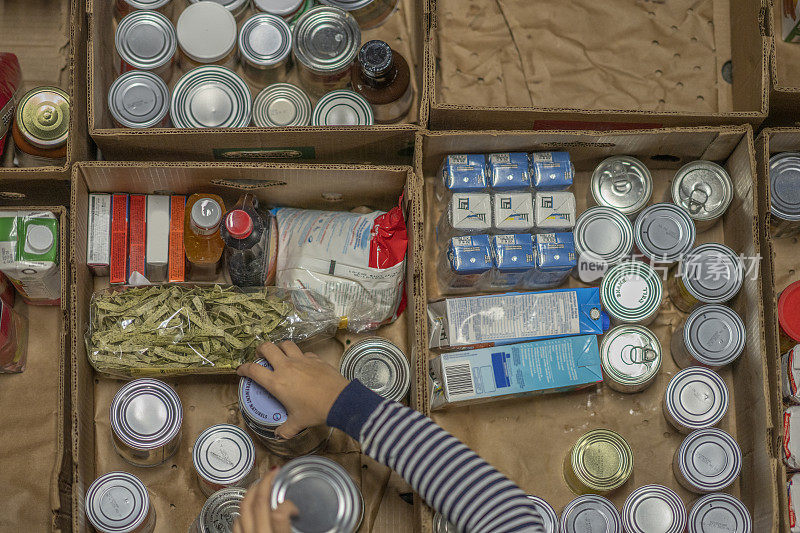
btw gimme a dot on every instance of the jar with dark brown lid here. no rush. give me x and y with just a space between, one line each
383 78
41 127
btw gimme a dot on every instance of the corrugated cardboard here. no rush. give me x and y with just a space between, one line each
528 439
784 100
213 399
508 64
405 31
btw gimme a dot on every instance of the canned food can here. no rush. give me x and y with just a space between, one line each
784 194
210 97
281 105
380 365
139 99
146 40
224 456
342 108
265 43
146 416
237 8
709 460
42 122
207 36
263 413
705 190
603 238
719 512
654 509
712 336
696 398
790 374
789 316
286 9
598 463
118 502
123 8
631 293
325 43
546 511
630 357
219 512
664 233
711 273
623 183
325 495
590 514
369 13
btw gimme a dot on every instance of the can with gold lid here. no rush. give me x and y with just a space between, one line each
630 356
41 127
599 462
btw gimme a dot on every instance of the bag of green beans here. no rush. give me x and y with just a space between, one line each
176 329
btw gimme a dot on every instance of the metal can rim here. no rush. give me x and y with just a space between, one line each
189 82
597 502
160 89
245 465
136 487
156 388
293 7
690 327
618 444
614 276
735 284
30 135
777 207
626 231
156 19
230 5
647 184
230 497
613 371
347 5
390 352
679 414
698 480
339 97
678 252
255 59
314 63
293 93
147 5
547 512
720 499
664 494
725 178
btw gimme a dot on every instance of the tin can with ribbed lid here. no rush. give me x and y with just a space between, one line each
664 233
369 13
207 36
342 108
281 105
696 398
139 99
712 336
711 273
546 511
220 512
784 192
623 183
41 127
265 45
590 514
210 97
598 463
118 502
709 460
146 40
630 356
631 293
123 8
603 238
719 512
286 9
237 8
654 509
224 456
380 365
705 190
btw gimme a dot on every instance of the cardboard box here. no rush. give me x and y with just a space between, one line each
404 31
784 99
212 399
508 65
527 439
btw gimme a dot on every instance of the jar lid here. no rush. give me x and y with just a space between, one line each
709 460
278 7
326 39
712 273
603 234
39 239
697 398
719 512
265 40
630 354
206 213
258 405
223 454
703 188
714 335
210 97
146 414
146 40
221 510
602 460
631 292
239 224
590 514
784 181
789 310
379 365
206 32
654 509
43 117
342 108
117 502
375 58
282 105
664 232
622 182
138 99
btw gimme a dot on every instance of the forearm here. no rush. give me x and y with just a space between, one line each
449 476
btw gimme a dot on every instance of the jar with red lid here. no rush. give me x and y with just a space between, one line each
789 317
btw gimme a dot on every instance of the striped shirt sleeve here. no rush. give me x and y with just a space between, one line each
449 476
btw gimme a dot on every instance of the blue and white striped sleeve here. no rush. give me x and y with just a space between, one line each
449 476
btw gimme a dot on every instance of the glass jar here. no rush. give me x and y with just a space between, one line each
207 36
383 78
41 127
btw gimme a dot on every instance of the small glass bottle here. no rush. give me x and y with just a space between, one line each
201 239
248 236
382 77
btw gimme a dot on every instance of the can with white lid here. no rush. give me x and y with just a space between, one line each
281 105
123 8
603 238
139 99
265 45
118 502
590 514
237 8
664 233
380 365
546 512
207 36
224 456
146 40
709 460
654 509
630 356
326 41
623 183
712 336
719 512
369 13
219 512
323 492
211 97
705 190
711 273
784 194
342 108
790 375
696 398
631 293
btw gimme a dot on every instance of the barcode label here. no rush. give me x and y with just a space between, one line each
458 380
458 159
542 157
499 159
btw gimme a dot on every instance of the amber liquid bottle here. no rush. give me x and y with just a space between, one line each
201 238
382 76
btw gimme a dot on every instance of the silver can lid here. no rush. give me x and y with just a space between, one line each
281 8
622 182
342 108
347 5
259 406
664 232
233 6
697 398
379 365
117 502
146 414
138 99
703 188
654 509
265 40
326 39
631 291
221 510
590 514
548 514
714 335
146 40
630 354
719 512
709 459
224 454
147 4
603 234
325 495
210 97
206 32
784 181
281 105
712 273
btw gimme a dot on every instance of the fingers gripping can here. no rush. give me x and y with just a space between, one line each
220 512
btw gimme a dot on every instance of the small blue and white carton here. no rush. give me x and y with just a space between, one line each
467 213
554 211
514 257
555 260
509 171
464 173
512 212
551 171
466 264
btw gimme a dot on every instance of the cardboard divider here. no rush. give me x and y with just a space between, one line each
405 31
510 65
784 100
37 466
527 439
213 399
